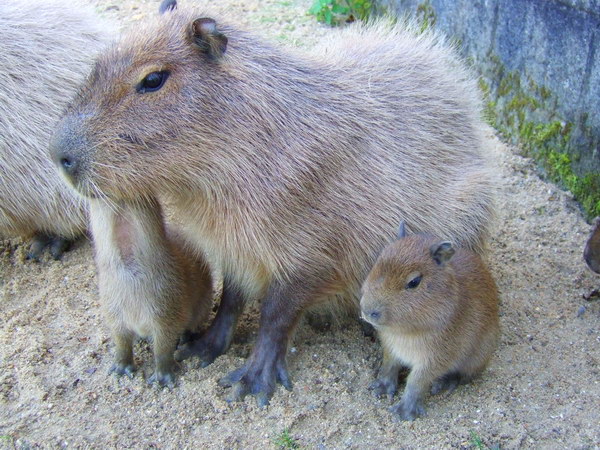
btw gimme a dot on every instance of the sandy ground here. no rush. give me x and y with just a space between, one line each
542 389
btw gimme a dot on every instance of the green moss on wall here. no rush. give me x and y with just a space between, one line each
525 115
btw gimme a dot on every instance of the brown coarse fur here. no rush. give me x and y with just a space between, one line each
436 312
289 170
591 253
46 49
150 286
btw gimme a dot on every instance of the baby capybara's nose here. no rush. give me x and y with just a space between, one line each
372 316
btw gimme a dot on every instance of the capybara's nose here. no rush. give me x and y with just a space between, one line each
372 316
68 147
68 164
62 157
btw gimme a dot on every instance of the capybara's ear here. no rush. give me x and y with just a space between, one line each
167 5
442 252
402 230
208 39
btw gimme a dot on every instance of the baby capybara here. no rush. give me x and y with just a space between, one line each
435 308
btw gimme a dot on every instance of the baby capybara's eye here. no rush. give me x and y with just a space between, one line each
152 82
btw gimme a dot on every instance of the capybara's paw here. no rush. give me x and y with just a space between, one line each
120 369
38 244
187 337
448 382
383 387
408 411
257 380
58 246
204 350
163 378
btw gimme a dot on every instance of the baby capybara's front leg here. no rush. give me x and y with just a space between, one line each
123 364
164 343
386 383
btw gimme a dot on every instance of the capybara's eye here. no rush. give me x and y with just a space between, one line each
152 82
414 282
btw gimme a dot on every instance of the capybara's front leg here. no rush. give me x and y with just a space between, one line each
217 338
386 383
164 343
266 366
410 405
123 364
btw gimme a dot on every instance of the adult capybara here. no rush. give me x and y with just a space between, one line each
435 308
289 170
591 253
46 49
150 285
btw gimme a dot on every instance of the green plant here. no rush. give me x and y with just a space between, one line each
285 440
476 441
335 12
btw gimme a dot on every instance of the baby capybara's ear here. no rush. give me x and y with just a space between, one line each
207 38
442 252
167 5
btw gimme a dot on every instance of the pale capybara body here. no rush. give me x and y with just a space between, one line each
289 170
591 253
435 308
46 49
150 285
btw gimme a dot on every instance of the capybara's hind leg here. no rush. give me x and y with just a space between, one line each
447 382
57 246
266 366
218 337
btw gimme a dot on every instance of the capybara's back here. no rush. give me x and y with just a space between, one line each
46 50
420 118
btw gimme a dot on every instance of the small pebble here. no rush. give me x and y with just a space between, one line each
580 311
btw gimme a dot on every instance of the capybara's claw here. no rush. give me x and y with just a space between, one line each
259 382
58 246
200 348
122 369
163 379
383 387
408 412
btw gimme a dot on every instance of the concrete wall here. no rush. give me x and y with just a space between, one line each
539 58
